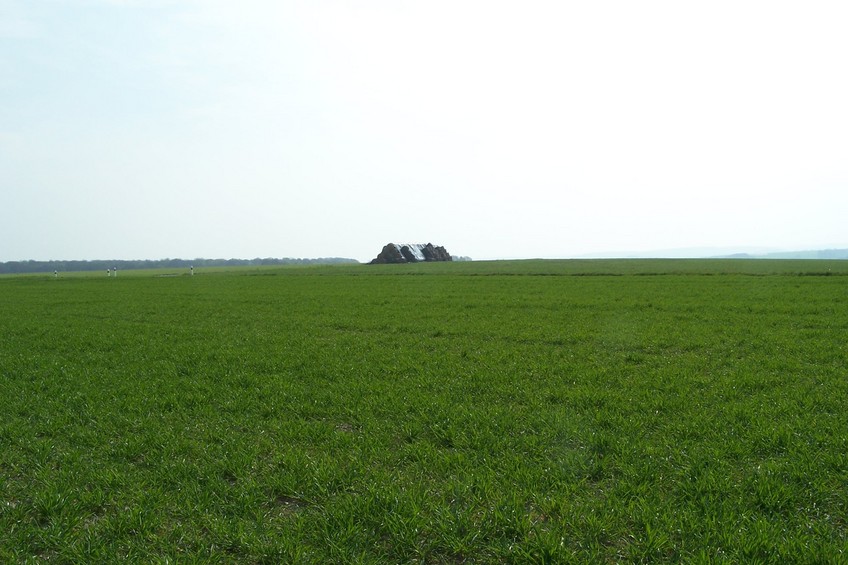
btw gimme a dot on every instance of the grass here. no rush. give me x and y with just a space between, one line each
657 411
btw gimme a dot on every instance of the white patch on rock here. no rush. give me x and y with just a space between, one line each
414 247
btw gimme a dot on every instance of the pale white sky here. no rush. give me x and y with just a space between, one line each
135 129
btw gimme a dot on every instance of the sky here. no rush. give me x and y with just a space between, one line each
149 129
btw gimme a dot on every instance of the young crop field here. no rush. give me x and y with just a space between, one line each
483 412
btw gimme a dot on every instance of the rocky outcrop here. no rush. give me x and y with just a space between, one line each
390 254
411 253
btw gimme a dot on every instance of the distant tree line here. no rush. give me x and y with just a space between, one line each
13 267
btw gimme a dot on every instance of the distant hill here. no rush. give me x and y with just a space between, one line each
16 267
810 254
722 253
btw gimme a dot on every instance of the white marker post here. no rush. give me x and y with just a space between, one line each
191 269
114 271
56 274
108 273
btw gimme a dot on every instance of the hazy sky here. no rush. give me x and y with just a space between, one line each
135 129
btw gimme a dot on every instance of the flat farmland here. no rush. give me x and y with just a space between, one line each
483 412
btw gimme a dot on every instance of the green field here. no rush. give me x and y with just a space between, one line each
486 412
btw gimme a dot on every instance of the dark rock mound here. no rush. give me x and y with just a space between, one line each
411 253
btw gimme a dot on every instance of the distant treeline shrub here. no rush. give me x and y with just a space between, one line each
13 267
